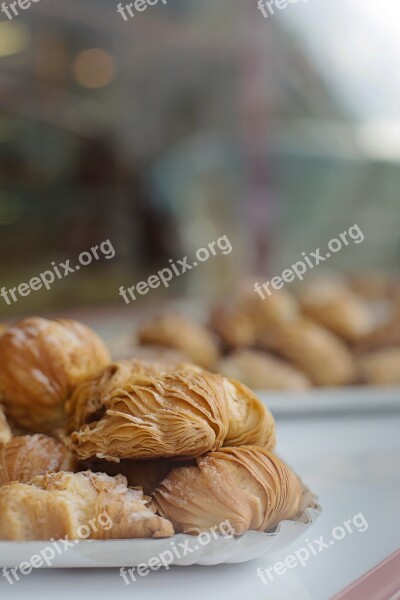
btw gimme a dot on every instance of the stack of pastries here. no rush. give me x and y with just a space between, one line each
328 332
160 446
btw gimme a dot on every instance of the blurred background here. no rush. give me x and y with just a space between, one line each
194 120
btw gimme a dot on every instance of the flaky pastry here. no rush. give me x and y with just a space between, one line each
332 304
179 333
136 412
319 353
24 457
248 486
57 505
260 370
41 362
5 431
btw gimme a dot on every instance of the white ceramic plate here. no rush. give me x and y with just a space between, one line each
332 400
185 549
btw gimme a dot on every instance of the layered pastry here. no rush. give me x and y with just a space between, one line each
248 486
319 353
5 431
75 506
260 371
381 367
130 413
336 307
41 362
179 333
22 458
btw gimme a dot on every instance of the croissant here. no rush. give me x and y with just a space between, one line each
80 506
179 333
248 486
5 431
260 370
132 411
24 457
319 353
41 361
337 308
381 367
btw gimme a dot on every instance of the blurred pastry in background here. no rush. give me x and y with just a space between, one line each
64 505
332 304
248 487
41 361
179 333
262 371
241 320
22 458
158 355
374 285
381 367
386 335
5 431
235 328
322 356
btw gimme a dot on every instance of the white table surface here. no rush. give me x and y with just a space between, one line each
354 465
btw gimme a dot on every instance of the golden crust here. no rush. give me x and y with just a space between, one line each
5 431
381 367
260 370
337 308
250 422
41 362
22 458
57 505
319 353
182 413
247 486
179 333
133 411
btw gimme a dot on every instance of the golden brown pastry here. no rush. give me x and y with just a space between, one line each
374 285
248 486
5 431
250 422
179 333
381 367
139 413
262 371
81 506
386 335
41 362
242 320
319 353
337 308
22 458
